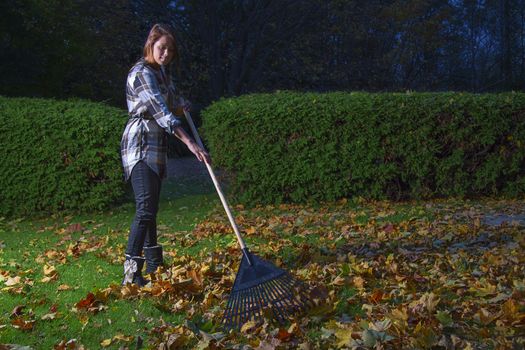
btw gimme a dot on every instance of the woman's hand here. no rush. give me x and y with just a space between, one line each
200 153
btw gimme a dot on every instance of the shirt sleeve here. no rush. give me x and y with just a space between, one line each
148 90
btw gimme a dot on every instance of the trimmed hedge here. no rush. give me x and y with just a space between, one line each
296 147
59 155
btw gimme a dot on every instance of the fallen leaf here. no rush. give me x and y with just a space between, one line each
63 287
359 282
74 228
122 337
283 335
17 311
50 316
25 325
12 281
106 342
48 279
49 270
248 326
250 230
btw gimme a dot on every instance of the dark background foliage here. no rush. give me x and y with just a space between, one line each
64 48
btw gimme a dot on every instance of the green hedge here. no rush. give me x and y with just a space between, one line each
59 155
295 147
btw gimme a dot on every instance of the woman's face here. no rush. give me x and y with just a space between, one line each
163 50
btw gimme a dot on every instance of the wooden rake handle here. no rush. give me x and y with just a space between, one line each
217 187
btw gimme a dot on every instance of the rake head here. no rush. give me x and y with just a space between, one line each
261 290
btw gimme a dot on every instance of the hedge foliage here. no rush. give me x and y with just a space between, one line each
295 147
59 155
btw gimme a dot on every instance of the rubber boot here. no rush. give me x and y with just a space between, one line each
153 257
133 271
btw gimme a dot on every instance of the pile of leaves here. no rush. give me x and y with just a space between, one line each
382 276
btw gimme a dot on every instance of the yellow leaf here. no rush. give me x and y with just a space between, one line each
509 309
49 270
248 325
344 337
48 279
106 342
122 337
427 301
63 287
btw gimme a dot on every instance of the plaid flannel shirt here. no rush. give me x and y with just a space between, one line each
150 95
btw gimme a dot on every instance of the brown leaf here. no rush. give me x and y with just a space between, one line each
17 311
359 282
74 228
196 277
388 228
419 279
130 290
250 230
67 345
87 302
73 249
283 335
53 308
338 281
22 324
12 281
376 296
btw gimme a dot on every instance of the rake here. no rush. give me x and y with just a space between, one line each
261 289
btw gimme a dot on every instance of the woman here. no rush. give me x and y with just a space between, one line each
151 103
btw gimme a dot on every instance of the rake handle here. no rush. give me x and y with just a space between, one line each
218 188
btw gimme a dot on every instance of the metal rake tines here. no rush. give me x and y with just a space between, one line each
276 299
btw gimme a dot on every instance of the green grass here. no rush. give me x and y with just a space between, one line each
183 204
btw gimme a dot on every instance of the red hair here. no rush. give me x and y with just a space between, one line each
156 32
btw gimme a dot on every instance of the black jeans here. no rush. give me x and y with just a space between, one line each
146 186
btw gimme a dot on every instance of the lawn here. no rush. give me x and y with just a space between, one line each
383 275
